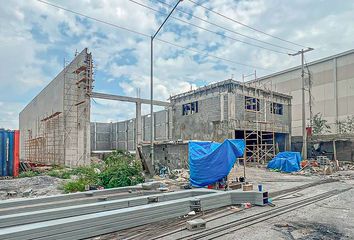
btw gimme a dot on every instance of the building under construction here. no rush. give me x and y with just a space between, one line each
55 126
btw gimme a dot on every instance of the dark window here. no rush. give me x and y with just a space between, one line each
276 108
194 107
251 103
190 108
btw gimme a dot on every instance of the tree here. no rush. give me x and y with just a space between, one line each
320 125
346 126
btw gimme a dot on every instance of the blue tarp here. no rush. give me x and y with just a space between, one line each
286 162
212 161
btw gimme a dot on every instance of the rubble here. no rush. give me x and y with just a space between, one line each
30 187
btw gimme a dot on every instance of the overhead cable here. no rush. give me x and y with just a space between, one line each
146 35
243 24
224 28
205 29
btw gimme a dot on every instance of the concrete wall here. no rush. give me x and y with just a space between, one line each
332 89
122 135
221 111
55 125
172 155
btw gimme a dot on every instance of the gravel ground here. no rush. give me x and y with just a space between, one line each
30 187
332 218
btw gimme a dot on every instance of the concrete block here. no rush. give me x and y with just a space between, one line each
196 224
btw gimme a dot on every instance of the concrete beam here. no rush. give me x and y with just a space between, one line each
128 99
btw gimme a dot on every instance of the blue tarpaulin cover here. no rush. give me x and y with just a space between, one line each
211 161
286 162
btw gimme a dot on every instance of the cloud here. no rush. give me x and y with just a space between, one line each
36 38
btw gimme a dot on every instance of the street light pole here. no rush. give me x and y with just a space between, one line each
304 133
152 86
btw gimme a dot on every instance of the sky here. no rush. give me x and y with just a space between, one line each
37 39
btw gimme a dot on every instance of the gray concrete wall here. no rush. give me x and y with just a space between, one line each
55 125
172 155
122 135
221 111
332 89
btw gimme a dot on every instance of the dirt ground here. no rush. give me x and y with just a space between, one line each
30 187
332 218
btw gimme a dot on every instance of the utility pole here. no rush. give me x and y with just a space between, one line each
304 135
152 85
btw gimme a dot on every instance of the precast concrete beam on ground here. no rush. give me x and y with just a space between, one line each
16 218
83 221
61 197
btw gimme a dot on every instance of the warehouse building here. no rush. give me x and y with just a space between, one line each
329 94
329 82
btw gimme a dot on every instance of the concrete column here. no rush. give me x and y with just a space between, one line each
126 127
231 114
290 125
222 107
116 135
335 91
166 125
138 125
95 127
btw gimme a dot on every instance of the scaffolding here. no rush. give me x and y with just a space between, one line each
58 138
259 131
46 147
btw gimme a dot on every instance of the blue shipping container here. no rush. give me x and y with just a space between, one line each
6 154
11 138
7 144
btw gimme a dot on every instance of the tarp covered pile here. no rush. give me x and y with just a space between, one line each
212 161
286 162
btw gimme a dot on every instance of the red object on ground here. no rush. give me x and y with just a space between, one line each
16 154
304 163
210 186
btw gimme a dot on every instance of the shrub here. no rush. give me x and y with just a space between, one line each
120 169
75 186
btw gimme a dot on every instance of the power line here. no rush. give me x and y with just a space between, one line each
205 29
245 25
93 18
224 28
210 55
146 35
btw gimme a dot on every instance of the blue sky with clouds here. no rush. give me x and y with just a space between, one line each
36 39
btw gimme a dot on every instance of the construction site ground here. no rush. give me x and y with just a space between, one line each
330 217
30 187
317 213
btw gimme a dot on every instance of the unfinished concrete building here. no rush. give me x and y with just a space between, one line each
227 109
55 125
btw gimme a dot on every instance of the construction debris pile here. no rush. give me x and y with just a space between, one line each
323 166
